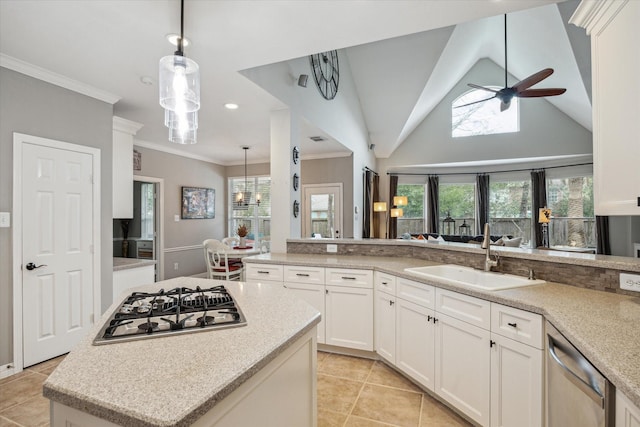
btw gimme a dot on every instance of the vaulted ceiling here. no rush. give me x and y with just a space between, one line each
405 56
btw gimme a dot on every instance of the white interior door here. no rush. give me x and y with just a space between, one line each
322 210
57 239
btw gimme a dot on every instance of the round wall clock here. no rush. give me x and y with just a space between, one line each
326 72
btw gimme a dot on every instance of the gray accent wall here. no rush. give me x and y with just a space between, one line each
182 237
329 171
34 107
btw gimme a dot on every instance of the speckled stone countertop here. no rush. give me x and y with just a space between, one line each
173 380
126 263
602 325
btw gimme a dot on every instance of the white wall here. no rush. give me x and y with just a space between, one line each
341 117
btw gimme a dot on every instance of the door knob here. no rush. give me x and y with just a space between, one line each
32 266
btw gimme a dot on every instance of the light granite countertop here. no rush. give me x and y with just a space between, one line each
127 263
602 325
174 379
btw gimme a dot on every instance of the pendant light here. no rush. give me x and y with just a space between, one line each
243 198
179 86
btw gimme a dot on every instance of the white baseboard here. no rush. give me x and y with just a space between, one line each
7 370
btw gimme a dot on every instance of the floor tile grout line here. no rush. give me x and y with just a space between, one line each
12 421
364 383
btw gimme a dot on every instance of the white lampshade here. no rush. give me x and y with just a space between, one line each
380 206
400 200
179 84
396 212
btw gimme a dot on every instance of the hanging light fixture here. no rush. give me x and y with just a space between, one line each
179 86
243 198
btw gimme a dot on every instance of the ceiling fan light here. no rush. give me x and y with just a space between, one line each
179 83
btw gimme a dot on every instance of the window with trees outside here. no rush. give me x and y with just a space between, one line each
412 220
482 118
510 208
458 201
257 218
573 222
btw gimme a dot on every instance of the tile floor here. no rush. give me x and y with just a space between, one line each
355 392
352 392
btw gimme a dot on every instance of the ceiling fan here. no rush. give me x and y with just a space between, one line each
520 89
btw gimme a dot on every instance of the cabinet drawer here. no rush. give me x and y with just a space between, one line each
349 277
301 274
519 325
416 292
472 310
384 282
261 272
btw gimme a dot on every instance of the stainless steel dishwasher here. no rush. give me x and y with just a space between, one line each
577 394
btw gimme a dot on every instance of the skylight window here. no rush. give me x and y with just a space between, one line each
483 118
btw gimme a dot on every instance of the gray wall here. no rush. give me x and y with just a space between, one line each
37 108
178 172
327 171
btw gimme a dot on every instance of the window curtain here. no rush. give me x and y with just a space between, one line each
602 234
371 222
539 200
482 205
433 211
393 222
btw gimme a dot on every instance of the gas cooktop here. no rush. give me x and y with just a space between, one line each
180 310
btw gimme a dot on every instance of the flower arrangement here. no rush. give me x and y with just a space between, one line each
242 231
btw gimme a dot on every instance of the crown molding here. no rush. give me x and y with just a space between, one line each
174 151
40 73
127 126
595 15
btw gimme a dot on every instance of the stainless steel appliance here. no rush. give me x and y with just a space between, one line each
179 310
577 394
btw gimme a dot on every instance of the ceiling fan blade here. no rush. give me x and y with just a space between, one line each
474 102
535 93
482 88
532 79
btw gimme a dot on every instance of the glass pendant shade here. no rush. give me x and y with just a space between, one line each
184 136
183 120
179 84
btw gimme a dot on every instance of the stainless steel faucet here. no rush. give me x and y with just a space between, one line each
486 244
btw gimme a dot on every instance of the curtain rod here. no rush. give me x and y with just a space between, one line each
481 173
365 168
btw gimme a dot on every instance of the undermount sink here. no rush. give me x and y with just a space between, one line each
467 276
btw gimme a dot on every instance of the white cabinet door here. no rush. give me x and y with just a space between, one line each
385 326
349 321
462 367
627 414
415 338
314 295
516 384
264 272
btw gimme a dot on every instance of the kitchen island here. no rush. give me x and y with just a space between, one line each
247 375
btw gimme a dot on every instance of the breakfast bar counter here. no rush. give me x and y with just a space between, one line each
199 378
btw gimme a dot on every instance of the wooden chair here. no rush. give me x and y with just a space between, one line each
232 242
218 264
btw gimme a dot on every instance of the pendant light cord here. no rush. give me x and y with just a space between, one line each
179 51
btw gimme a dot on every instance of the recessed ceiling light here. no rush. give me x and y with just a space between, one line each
231 106
173 39
146 80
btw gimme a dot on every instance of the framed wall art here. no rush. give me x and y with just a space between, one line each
198 203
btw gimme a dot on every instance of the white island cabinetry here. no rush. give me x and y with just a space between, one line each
385 316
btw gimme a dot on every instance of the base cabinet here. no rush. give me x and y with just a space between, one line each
462 366
627 414
385 327
349 320
415 338
314 295
516 383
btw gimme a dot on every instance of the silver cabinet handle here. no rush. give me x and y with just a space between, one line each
585 387
262 272
302 274
348 278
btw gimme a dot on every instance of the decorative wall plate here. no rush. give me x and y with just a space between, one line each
296 209
296 155
296 182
